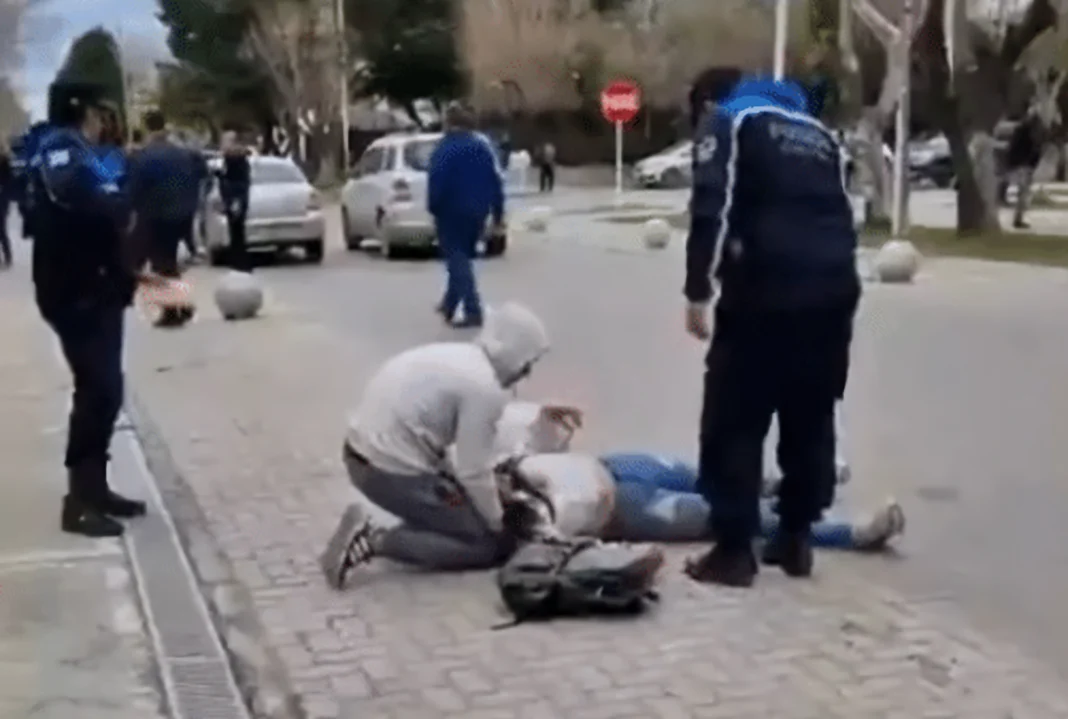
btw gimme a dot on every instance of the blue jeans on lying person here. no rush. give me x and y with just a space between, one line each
657 500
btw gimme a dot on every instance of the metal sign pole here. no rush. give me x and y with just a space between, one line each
782 19
619 162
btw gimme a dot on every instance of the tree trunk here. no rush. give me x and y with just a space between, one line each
873 173
974 215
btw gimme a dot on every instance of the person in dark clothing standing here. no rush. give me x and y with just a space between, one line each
464 188
1025 152
547 165
83 285
7 189
163 190
773 227
235 183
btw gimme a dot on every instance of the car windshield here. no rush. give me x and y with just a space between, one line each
417 154
276 173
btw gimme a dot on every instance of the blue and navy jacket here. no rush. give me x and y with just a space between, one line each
463 181
771 220
79 216
165 181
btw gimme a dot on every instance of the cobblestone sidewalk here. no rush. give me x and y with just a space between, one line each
72 639
253 415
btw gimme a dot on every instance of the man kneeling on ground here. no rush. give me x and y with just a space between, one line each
422 446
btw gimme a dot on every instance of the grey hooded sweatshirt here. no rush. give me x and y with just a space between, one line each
435 409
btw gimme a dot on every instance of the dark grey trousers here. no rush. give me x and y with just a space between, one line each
440 528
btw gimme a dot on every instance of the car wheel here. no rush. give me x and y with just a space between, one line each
352 242
313 251
673 179
496 246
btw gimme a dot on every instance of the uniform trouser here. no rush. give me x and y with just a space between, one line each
5 240
790 363
458 239
92 343
238 250
440 528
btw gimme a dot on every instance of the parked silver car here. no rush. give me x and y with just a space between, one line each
284 211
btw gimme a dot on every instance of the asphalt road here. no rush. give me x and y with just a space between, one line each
956 402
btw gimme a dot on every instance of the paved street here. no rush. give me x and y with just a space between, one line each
951 407
72 638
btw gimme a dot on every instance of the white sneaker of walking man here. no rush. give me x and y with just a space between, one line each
422 446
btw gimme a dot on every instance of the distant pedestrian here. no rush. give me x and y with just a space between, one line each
164 190
547 166
464 188
1025 152
7 190
235 184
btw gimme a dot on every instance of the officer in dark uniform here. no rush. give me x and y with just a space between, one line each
84 283
772 226
235 184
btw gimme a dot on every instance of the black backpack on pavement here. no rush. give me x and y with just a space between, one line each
550 578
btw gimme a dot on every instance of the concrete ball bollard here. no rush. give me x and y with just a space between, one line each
238 296
897 261
656 234
538 219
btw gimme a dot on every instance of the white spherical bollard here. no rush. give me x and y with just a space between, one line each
538 219
656 234
239 296
897 261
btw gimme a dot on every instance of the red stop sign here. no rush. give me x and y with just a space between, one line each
621 101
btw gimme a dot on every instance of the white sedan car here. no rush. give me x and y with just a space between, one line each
284 211
385 197
671 168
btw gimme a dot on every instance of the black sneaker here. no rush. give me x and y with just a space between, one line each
349 546
1021 225
81 518
115 505
791 552
724 565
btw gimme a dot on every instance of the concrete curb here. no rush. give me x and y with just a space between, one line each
263 682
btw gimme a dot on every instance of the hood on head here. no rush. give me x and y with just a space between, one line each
513 339
763 91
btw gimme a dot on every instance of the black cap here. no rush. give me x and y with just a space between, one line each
69 99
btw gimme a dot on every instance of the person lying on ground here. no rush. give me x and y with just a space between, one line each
422 445
546 490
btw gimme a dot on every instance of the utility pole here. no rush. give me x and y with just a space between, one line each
782 18
899 218
343 53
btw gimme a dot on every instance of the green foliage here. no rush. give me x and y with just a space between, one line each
95 57
213 81
409 47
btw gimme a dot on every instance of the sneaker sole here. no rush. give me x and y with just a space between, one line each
332 561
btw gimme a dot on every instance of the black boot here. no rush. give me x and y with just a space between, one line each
82 518
791 551
726 565
115 505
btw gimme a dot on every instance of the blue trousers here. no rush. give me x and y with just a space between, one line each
658 501
458 239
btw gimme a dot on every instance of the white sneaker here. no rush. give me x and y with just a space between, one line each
885 525
349 546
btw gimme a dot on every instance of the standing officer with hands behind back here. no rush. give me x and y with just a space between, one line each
773 226
84 281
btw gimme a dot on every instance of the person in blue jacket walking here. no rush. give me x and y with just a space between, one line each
464 187
772 241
